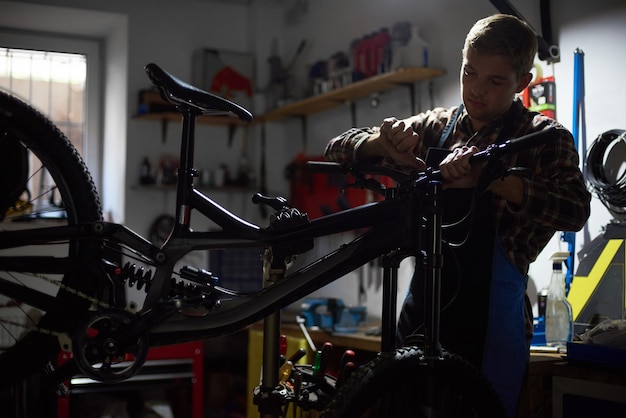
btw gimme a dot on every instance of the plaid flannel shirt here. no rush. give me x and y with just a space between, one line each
555 198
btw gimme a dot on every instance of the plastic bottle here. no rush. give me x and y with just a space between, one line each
381 58
558 310
413 54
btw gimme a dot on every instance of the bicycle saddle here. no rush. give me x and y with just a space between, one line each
187 96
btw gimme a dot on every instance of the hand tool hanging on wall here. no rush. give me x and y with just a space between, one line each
280 75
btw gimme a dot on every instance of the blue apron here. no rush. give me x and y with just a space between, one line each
483 315
506 353
484 302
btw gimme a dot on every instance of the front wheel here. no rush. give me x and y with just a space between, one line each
405 384
39 310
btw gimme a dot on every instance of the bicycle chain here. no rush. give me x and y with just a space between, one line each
65 341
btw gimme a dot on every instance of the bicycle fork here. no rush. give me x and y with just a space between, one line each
432 264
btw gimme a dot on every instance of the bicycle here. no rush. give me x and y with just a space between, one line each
85 316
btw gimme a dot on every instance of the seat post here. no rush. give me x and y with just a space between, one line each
186 171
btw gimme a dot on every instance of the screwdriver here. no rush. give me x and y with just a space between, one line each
295 357
344 374
285 371
282 348
346 366
321 359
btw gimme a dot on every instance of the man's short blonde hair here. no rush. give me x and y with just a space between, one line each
506 35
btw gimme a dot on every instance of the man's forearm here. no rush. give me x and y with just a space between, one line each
511 188
370 148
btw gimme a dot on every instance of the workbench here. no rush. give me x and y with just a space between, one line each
551 377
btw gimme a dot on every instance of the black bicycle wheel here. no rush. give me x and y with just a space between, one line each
403 384
58 190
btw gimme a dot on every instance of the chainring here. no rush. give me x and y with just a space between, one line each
98 352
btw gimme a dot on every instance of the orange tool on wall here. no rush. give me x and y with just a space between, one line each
540 95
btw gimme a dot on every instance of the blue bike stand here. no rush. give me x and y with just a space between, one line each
578 128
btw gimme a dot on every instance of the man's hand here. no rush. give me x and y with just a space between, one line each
457 170
399 140
459 173
396 140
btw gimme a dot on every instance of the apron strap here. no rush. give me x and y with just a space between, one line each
448 128
435 155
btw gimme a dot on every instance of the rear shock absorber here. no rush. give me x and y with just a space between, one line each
198 284
136 275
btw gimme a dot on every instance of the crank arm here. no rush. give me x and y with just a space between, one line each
148 320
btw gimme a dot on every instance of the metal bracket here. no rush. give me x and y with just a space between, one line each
548 51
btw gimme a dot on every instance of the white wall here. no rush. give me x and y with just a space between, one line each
598 28
168 32
332 32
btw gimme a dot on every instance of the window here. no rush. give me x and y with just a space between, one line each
60 76
52 82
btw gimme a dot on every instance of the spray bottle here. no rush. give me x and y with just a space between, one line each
558 309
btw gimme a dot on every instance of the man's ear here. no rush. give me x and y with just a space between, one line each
524 82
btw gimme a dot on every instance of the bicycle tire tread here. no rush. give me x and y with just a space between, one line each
402 366
82 203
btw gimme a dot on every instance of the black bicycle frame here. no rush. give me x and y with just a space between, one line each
391 225
408 223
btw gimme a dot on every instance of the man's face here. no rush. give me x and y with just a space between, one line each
488 86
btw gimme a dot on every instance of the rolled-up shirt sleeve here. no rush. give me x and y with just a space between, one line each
343 148
556 195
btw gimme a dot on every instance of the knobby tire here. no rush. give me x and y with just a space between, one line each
396 384
48 147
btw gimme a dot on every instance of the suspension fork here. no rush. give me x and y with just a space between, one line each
429 258
390 264
431 208
433 264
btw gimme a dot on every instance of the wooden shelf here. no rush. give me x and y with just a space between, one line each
351 92
320 102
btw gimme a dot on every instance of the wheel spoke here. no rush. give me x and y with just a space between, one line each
54 189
